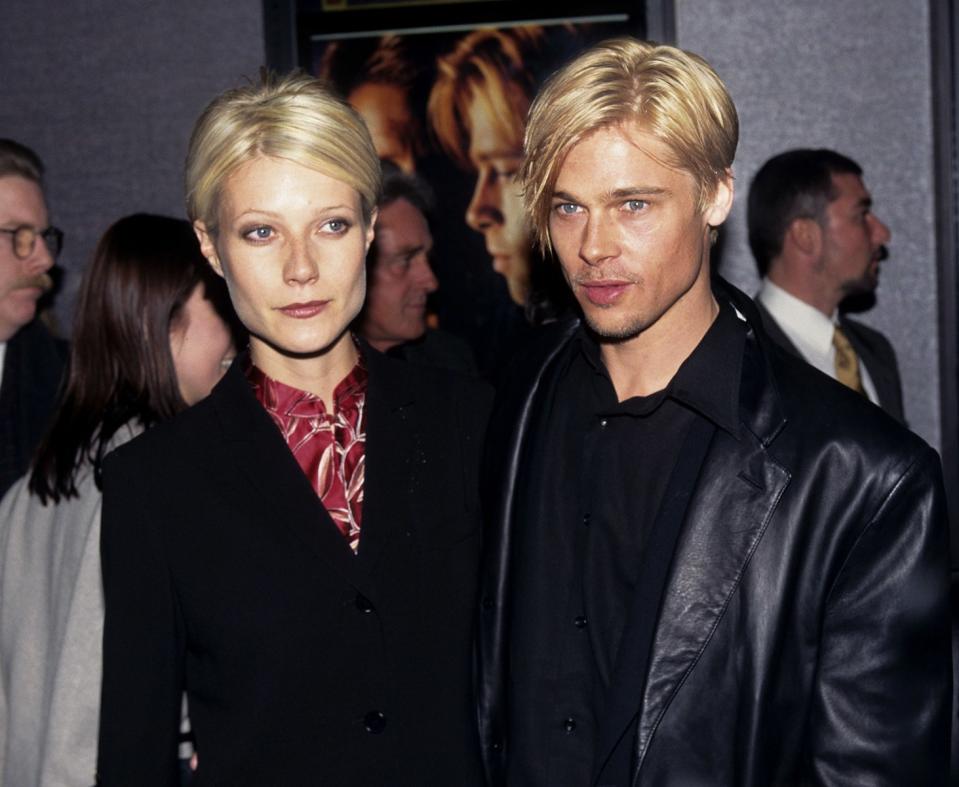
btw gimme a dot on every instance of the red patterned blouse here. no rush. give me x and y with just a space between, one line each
330 448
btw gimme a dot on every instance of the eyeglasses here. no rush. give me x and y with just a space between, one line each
25 240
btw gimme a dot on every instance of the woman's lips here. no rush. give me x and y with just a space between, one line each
604 293
303 311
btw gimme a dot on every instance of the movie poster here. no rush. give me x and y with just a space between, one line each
448 102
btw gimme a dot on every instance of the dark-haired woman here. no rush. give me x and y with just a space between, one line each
148 340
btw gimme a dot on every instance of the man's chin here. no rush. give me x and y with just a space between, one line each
864 286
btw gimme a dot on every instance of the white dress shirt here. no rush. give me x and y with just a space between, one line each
810 331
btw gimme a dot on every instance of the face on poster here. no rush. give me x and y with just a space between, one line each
449 104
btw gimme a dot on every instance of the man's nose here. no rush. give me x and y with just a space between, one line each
881 233
41 258
598 242
485 209
423 274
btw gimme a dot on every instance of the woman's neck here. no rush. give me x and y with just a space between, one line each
319 374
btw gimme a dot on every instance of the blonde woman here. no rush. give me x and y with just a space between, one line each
320 620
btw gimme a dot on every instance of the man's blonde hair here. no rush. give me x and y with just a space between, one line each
295 117
488 64
673 95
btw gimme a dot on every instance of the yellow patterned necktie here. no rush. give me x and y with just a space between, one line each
847 363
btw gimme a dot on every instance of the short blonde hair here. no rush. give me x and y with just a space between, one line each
295 117
674 95
488 63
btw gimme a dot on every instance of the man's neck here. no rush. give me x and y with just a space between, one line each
382 345
646 363
806 290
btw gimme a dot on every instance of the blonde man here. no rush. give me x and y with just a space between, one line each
708 563
477 109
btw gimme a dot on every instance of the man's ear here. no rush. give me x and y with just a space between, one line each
207 246
720 201
805 235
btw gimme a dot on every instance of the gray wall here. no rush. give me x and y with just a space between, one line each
107 93
854 76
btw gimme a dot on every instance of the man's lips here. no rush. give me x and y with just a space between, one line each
303 311
603 293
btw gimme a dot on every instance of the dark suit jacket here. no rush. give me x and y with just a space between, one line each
803 633
874 351
32 371
304 663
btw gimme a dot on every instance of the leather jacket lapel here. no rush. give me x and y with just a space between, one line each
736 495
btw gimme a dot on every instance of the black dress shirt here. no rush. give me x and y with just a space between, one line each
597 472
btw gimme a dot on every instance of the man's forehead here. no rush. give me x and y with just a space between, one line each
850 188
644 163
21 202
401 226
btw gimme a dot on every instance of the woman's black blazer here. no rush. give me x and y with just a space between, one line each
304 664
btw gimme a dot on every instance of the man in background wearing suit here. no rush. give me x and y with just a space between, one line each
816 242
31 360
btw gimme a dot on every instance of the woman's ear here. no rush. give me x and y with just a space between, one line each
369 229
207 246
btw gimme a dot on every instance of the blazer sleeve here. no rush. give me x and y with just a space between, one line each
143 642
881 710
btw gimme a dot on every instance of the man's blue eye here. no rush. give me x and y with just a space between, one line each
635 204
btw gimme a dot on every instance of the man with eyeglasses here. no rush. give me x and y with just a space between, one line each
31 359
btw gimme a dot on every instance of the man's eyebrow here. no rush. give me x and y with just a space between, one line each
618 194
409 250
637 191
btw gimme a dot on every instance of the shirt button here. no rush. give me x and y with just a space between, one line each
603 422
586 518
374 722
569 725
363 604
580 621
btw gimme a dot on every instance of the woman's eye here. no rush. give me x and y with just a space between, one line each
259 233
336 226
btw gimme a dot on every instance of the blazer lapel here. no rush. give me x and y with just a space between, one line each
887 388
267 468
394 453
774 332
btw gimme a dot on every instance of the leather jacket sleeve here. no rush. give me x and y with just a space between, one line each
880 711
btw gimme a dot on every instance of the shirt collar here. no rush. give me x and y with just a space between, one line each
289 402
797 318
707 381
